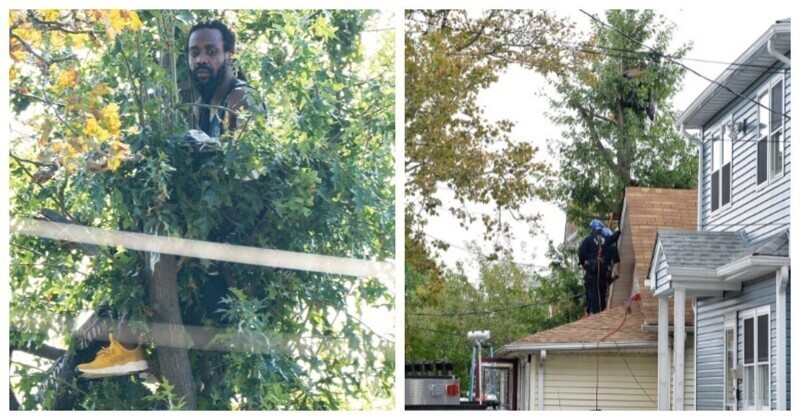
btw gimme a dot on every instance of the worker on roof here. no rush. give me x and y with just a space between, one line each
592 257
611 261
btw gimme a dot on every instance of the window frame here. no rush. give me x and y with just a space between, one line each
723 128
730 325
754 314
770 130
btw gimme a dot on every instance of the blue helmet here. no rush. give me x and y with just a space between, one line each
596 225
606 232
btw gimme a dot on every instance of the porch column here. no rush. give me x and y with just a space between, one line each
663 353
782 280
680 346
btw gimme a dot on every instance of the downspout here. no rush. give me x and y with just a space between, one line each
697 142
542 356
780 57
694 359
782 277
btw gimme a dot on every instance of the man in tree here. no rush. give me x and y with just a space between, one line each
592 258
210 47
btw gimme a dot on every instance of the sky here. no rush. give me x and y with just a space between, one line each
515 96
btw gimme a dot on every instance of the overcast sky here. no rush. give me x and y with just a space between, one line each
720 36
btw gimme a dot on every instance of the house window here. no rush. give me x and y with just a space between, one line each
756 375
770 146
721 156
730 364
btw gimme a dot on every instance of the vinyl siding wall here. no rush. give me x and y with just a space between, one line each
628 380
760 210
710 330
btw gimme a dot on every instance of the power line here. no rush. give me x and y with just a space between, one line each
670 59
492 311
730 64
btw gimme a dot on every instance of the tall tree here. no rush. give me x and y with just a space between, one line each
450 56
99 141
614 107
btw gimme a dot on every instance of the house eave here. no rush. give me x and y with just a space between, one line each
511 349
692 118
750 267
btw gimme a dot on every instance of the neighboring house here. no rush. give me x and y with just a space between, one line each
734 268
565 368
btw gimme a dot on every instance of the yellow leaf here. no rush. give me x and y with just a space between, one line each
79 40
51 15
111 118
17 55
67 79
117 21
94 130
135 22
12 73
101 89
31 36
57 39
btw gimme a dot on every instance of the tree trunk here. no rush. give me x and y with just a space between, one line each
172 350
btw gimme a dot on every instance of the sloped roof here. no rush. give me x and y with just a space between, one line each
775 246
701 249
590 330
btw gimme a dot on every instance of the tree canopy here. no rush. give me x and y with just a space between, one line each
99 117
450 56
614 108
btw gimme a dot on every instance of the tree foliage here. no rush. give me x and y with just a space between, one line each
508 300
450 56
98 98
609 142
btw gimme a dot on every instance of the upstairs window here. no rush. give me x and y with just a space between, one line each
770 146
721 157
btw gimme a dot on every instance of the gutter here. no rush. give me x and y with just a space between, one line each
780 57
697 142
533 347
745 264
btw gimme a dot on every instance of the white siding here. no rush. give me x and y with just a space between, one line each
627 380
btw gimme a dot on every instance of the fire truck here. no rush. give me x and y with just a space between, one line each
431 385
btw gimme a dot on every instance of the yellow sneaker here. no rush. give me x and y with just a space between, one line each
114 360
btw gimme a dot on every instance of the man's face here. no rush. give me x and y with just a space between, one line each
207 60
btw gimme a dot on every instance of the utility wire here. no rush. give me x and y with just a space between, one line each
670 59
491 311
633 375
640 54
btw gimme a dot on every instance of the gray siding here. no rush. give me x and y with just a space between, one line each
661 273
760 211
709 327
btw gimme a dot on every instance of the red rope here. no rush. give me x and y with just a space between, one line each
597 357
